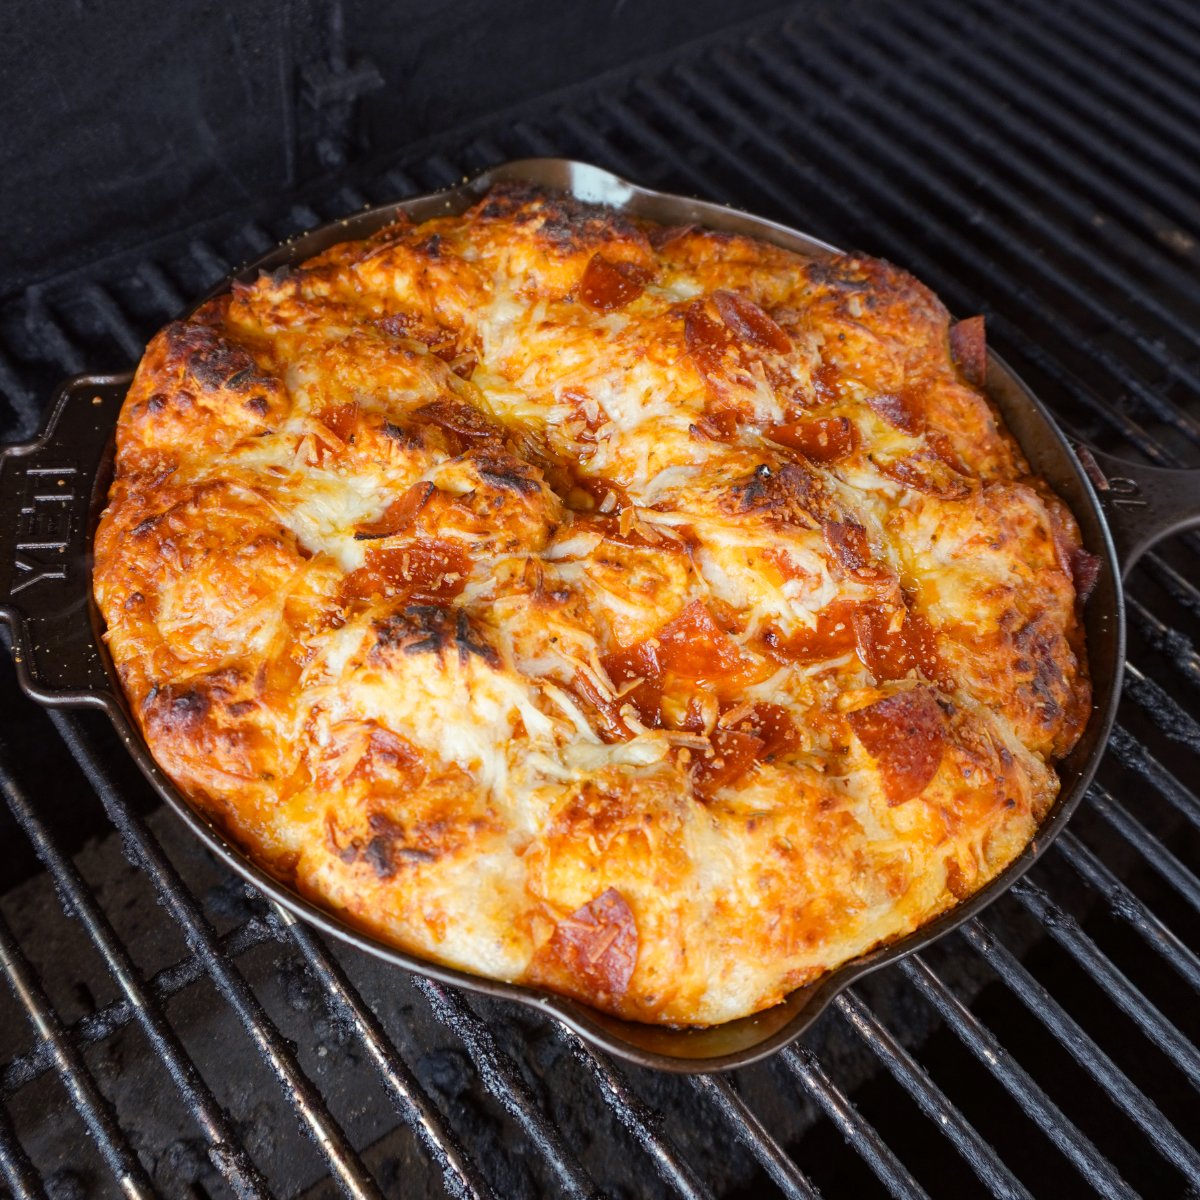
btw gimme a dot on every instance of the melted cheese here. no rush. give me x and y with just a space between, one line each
468 575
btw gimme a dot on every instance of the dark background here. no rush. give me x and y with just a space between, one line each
122 119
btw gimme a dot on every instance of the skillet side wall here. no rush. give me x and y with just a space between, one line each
742 1041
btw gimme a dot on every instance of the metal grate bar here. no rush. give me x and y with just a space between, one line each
74 1072
1033 132
1038 1000
401 182
1162 708
753 1134
659 146
19 397
1183 19
594 143
1183 591
257 238
22 1177
637 1118
884 150
113 320
1065 930
1021 79
1133 755
414 1106
213 265
1141 95
986 149
930 1099
533 138
1157 856
1020 1085
504 1080
483 150
1175 646
303 217
44 327
1129 908
104 1022
1147 134
342 1158
806 1068
224 1148
165 293
350 198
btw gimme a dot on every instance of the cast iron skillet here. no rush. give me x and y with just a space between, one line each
52 491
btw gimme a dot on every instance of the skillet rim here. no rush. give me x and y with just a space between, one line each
643 1044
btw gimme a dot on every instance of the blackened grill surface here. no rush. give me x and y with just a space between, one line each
1033 162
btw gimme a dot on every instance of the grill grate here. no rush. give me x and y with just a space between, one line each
1039 159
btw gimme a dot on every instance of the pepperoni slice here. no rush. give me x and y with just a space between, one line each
1085 571
695 646
772 724
831 636
717 346
890 650
691 646
597 945
904 409
398 515
340 420
968 346
847 542
423 569
708 340
906 734
927 472
607 284
462 420
733 754
749 323
607 710
822 439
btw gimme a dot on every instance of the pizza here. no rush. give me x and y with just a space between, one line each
648 614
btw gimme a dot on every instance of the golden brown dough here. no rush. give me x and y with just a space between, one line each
651 614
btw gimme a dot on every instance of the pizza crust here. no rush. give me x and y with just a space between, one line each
656 616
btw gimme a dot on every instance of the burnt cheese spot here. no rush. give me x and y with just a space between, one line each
434 629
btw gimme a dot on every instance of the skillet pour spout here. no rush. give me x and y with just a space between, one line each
53 489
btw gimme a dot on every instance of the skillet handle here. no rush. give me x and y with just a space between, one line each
51 490
1142 504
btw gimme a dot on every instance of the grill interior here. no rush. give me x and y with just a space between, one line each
165 1031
